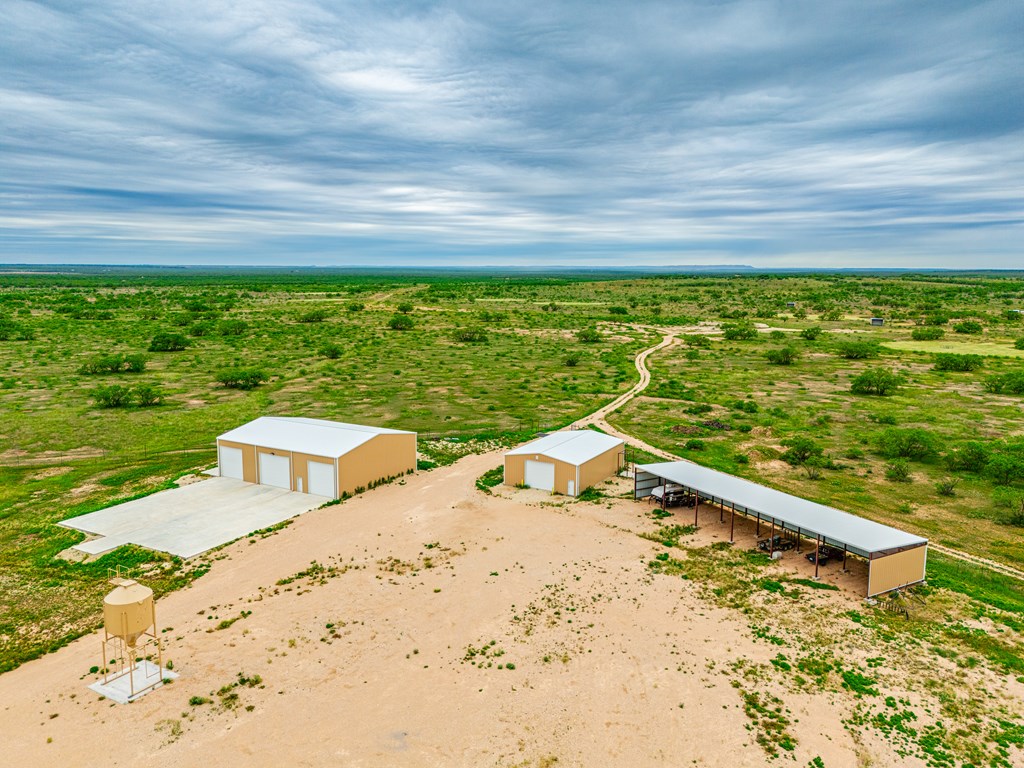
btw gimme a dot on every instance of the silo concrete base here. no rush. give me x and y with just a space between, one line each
142 674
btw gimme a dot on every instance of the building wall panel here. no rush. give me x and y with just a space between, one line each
515 471
600 468
300 468
897 570
381 457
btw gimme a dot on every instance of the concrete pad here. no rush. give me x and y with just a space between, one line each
190 520
143 673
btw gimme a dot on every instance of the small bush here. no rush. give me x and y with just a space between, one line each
104 364
969 457
405 308
470 336
694 445
313 316
355 306
400 323
572 360
146 395
916 444
947 486
702 342
927 334
241 378
811 334
618 311
588 335
875 381
1004 469
747 406
950 362
783 356
970 327
114 396
169 342
777 335
799 450
331 351
1019 343
858 350
1005 384
742 331
232 327
898 471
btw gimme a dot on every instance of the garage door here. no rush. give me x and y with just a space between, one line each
540 474
321 479
275 471
230 462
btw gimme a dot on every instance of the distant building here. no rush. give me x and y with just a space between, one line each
877 321
791 304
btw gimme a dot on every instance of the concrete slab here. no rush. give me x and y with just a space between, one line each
144 673
190 520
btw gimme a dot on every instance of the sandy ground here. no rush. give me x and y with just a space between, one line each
366 665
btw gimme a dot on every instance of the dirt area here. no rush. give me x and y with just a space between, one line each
425 623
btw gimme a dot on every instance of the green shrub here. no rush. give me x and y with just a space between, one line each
470 336
783 356
232 327
114 396
588 335
970 327
969 457
927 334
572 359
355 306
1019 343
811 334
313 316
858 350
777 335
1004 469
799 450
400 323
618 311
898 471
405 307
947 486
742 331
1005 384
700 341
331 351
747 406
951 362
241 378
694 445
104 364
147 395
875 381
169 342
917 444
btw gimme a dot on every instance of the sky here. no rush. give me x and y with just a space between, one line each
600 134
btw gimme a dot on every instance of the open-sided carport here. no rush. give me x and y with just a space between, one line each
895 558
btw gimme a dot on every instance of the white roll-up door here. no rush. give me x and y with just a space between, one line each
540 474
276 471
230 462
321 479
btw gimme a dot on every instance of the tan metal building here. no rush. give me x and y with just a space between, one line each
565 462
895 558
323 458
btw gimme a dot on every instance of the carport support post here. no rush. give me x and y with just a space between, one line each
771 540
817 556
799 539
732 523
696 508
844 558
758 524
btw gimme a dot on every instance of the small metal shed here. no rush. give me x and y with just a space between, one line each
565 462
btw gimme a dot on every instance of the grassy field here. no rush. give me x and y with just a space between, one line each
490 357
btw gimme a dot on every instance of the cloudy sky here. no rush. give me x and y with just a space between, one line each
820 133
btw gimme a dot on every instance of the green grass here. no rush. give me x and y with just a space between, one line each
950 346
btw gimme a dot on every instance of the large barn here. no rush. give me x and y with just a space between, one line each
324 458
565 462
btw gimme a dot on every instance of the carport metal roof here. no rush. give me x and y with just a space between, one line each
317 437
574 447
861 537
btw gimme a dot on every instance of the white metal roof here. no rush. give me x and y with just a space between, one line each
574 447
317 437
862 537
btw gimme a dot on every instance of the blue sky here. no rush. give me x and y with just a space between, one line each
789 134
